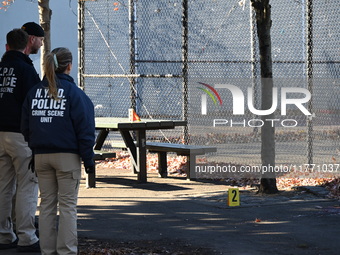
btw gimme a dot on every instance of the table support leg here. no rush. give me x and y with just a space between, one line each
137 152
162 164
91 180
131 147
141 155
191 162
100 139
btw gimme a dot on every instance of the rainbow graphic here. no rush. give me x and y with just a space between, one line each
209 93
212 93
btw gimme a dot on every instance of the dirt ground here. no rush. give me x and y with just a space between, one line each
143 247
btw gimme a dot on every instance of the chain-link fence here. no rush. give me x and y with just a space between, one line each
158 56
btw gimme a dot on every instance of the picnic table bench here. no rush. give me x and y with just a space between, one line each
161 148
102 154
190 151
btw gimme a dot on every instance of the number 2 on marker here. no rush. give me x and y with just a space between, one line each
233 197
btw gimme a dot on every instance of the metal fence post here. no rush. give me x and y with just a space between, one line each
309 76
132 80
81 61
185 67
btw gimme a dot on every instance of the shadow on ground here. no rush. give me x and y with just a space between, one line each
174 215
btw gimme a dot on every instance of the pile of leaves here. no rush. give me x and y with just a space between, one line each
334 187
175 247
176 164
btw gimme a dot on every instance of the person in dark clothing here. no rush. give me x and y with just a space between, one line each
58 123
35 41
35 37
17 77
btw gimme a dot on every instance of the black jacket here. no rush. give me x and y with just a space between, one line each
17 77
64 125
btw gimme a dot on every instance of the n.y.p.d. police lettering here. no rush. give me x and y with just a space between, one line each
7 80
45 107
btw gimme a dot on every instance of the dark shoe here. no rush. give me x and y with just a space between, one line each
30 248
6 246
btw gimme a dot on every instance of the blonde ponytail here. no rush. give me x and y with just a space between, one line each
56 62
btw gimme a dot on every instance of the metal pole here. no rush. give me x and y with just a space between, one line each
309 76
185 68
132 53
253 42
81 54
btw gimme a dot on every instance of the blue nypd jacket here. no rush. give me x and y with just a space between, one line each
17 77
59 126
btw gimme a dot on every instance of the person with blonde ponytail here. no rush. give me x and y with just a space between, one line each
58 124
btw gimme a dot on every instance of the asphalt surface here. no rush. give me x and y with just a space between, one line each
195 212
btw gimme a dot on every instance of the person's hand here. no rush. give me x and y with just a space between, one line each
89 169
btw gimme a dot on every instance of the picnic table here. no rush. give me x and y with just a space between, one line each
135 143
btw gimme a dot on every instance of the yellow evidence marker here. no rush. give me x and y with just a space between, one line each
233 197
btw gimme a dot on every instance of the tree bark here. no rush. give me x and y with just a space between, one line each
45 14
263 21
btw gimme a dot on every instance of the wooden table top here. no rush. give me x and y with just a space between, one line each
124 123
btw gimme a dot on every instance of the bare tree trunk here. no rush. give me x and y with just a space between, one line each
45 14
263 20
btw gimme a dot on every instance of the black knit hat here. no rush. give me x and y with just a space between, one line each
32 28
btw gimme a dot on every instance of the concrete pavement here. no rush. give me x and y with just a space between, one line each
195 212
294 222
